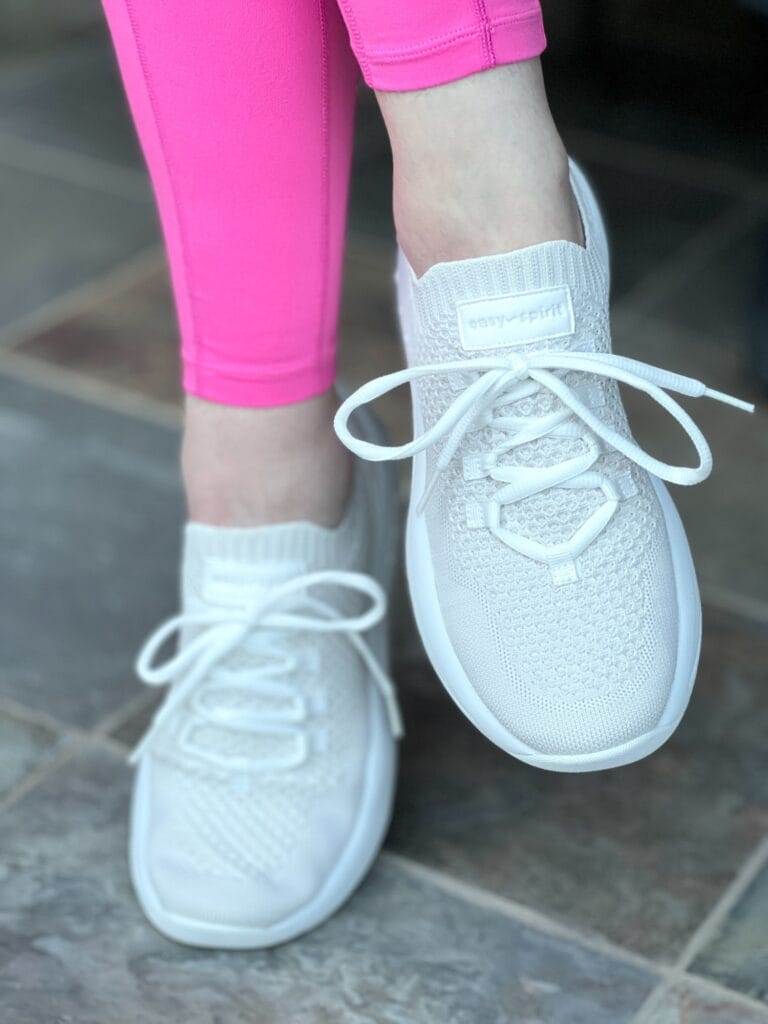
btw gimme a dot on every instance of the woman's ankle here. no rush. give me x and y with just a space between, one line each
256 467
479 168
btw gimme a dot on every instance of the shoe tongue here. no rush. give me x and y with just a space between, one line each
224 583
548 296
552 296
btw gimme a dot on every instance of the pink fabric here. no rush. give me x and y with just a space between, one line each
415 44
244 109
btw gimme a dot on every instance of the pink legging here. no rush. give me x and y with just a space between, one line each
244 109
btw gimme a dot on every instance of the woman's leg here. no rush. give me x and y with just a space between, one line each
479 167
264 782
245 111
550 577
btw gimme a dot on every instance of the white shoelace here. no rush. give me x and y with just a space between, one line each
222 631
503 380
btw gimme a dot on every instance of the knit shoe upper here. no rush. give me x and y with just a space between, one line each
278 729
548 547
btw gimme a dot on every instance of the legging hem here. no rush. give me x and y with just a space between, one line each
258 391
436 62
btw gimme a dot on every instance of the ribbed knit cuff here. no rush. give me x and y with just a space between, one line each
316 546
443 286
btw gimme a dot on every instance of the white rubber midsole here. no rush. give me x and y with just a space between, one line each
437 643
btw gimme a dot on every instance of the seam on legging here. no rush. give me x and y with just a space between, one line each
437 43
482 14
181 233
355 36
325 106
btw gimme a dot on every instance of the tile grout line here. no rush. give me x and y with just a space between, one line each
73 743
652 1001
40 719
529 917
707 984
646 1014
708 928
74 168
732 893
98 735
38 775
116 719
90 390
114 281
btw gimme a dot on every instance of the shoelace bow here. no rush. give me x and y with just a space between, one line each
499 382
224 630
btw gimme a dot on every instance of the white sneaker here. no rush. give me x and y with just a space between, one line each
549 571
264 785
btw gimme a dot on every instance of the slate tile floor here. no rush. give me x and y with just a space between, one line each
504 894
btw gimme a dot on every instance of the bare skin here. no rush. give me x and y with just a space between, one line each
255 467
479 168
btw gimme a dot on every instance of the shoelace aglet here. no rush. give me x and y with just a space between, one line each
737 403
134 756
395 718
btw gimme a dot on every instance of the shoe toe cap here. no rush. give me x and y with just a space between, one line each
568 696
229 899
217 871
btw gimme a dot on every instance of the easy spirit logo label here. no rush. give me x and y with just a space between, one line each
510 320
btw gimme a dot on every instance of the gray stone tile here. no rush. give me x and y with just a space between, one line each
695 1004
128 339
724 303
70 97
31 24
74 944
632 104
737 956
648 218
724 516
23 747
89 523
639 854
57 236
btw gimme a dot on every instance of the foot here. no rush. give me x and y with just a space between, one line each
264 785
550 574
